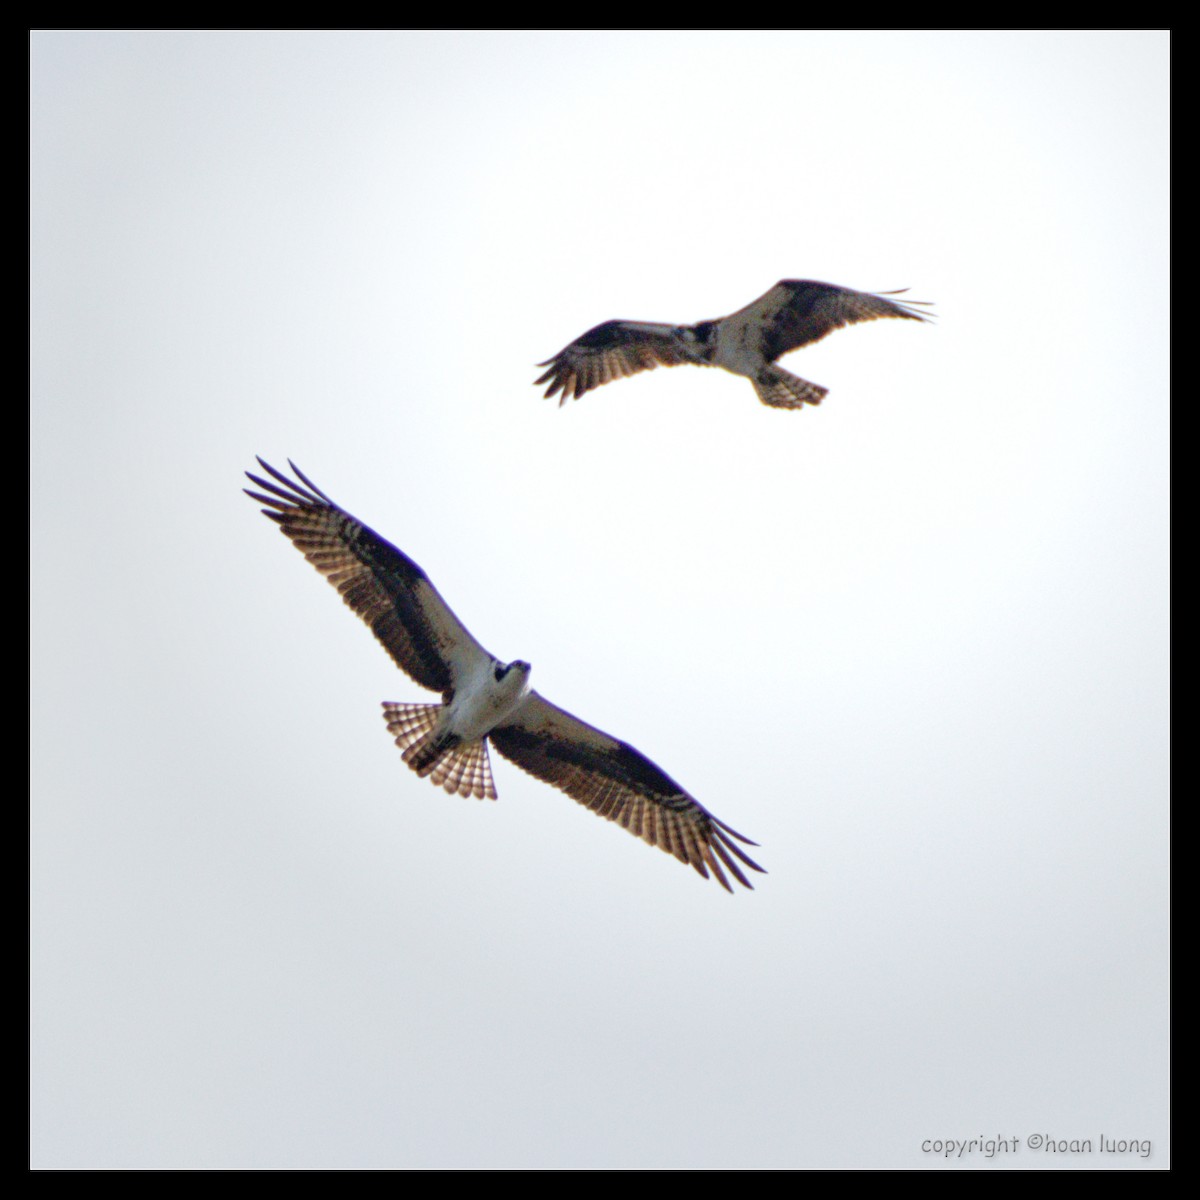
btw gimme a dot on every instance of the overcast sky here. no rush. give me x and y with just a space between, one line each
913 642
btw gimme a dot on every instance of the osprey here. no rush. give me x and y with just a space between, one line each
484 699
794 313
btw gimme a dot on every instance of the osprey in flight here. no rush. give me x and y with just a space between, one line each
794 313
483 698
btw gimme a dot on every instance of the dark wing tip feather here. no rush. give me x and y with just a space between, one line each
733 833
559 376
291 493
721 836
710 845
912 309
314 491
719 846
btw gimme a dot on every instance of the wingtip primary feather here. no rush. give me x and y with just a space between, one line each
310 485
906 307
558 381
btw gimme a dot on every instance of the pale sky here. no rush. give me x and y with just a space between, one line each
913 642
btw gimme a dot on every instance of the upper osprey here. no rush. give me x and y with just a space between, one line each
793 313
484 698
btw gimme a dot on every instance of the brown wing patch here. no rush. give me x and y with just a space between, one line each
798 312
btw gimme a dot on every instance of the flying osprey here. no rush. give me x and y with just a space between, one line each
794 313
483 698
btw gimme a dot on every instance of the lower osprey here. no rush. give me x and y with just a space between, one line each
794 313
483 698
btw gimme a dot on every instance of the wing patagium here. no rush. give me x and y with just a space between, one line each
483 698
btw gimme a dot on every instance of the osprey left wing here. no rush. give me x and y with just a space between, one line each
380 583
614 350
620 784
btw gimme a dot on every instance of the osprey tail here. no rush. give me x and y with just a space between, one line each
781 389
463 769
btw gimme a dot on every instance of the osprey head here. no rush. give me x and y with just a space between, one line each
702 337
510 682
511 679
500 670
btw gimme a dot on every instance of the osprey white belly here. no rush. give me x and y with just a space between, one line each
485 698
739 348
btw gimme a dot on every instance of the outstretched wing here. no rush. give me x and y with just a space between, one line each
612 351
796 312
617 782
380 583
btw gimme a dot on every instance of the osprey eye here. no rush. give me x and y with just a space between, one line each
500 671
